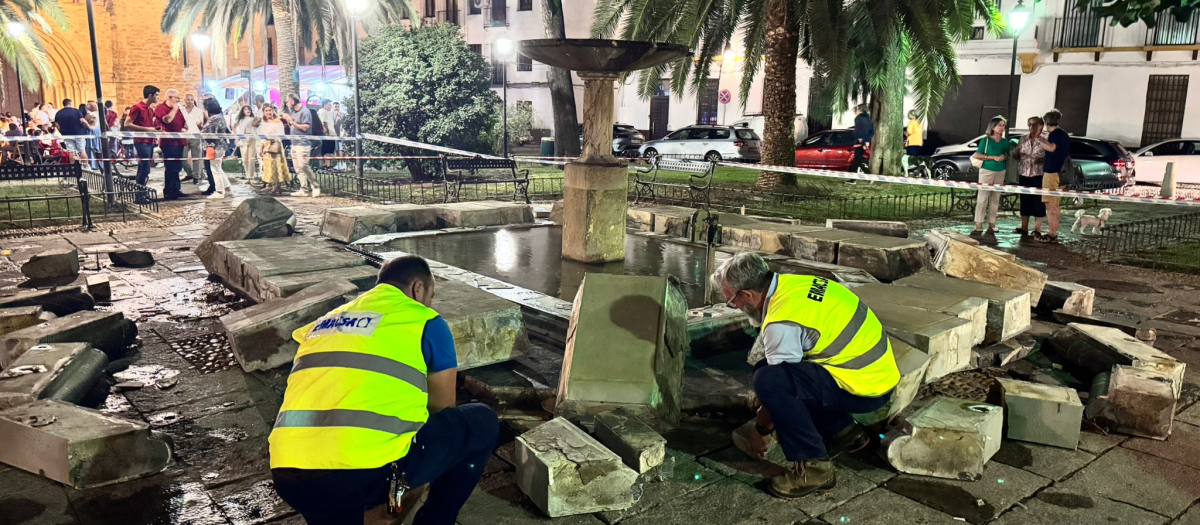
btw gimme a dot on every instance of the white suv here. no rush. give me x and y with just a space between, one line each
712 143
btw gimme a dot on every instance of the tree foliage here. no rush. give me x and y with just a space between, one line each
522 120
1128 12
26 50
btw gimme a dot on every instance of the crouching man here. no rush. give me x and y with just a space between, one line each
370 409
827 357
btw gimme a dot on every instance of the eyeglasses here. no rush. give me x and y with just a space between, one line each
732 298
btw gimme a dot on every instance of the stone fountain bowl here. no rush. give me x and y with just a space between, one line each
612 56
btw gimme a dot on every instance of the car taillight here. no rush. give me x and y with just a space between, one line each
739 143
1118 164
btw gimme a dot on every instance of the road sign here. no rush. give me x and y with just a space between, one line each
724 96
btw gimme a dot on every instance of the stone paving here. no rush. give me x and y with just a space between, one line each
219 417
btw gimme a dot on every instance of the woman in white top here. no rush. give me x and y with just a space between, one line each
274 166
246 124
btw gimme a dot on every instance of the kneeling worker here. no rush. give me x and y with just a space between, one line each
370 409
827 357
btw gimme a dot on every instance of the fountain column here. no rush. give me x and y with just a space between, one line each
596 185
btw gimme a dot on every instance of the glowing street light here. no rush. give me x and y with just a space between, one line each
356 7
201 41
16 30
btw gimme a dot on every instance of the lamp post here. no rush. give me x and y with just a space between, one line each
505 47
356 7
201 40
15 31
1017 19
104 144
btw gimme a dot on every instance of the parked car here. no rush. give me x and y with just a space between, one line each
832 150
626 140
1183 153
713 143
1099 164
973 144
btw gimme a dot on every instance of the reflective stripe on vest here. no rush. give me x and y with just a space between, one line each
345 418
373 363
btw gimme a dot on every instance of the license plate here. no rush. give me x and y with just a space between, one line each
635 141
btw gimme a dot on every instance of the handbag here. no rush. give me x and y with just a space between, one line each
977 162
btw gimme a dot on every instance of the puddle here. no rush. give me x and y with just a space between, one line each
116 404
147 375
151 504
229 435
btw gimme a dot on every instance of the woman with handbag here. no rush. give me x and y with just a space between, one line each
274 166
989 158
1030 155
214 155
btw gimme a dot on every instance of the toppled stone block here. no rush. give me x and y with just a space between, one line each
1039 413
765 237
1135 401
487 329
247 266
972 309
1008 310
631 438
486 213
913 364
887 228
838 273
741 441
18 317
355 222
566 472
936 238
261 335
945 339
1091 350
964 261
948 438
1003 353
52 264
821 245
59 301
62 371
886 258
77 446
259 217
412 217
276 286
556 213
1075 299
717 329
99 288
626 344
131 258
109 332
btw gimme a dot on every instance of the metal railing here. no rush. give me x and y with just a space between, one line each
125 192
396 190
1080 30
1168 243
1169 31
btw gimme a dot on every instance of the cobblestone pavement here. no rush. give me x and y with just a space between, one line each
219 417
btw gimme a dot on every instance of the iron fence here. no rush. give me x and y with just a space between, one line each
404 190
1169 31
1168 243
125 192
1080 30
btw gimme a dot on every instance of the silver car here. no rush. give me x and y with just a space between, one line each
712 143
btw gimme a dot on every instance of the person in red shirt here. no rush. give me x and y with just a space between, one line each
170 120
141 118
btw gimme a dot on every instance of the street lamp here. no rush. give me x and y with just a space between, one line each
1018 18
505 47
356 7
15 31
201 40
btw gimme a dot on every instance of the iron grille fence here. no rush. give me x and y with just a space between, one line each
1079 30
1168 243
1169 31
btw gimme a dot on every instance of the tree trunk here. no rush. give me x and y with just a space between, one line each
779 94
285 48
562 90
887 108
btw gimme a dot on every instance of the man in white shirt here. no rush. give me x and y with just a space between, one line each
193 117
326 116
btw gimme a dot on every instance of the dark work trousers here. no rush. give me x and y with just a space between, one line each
145 155
449 452
808 406
172 189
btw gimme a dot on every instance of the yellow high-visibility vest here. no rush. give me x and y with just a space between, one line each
357 393
852 346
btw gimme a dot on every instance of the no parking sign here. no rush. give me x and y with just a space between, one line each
724 96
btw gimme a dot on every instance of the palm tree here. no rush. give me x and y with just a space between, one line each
318 24
24 49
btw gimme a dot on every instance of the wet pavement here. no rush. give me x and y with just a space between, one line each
181 381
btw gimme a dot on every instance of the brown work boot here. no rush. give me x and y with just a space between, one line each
804 478
850 440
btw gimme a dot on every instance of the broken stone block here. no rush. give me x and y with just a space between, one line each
717 329
1008 310
964 261
765 237
566 472
478 214
59 301
18 317
631 438
838 273
886 258
246 266
98 287
948 438
972 309
556 213
62 371
887 228
626 344
1003 353
52 264
936 238
945 339
131 258
1090 350
913 364
261 335
258 217
355 222
1074 299
412 217
77 446
276 286
741 441
109 332
821 245
1038 413
1135 401
487 329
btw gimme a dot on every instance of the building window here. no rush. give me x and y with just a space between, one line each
1166 97
450 15
499 13
476 48
1169 31
525 5
707 112
474 9
977 33
497 69
430 9
524 63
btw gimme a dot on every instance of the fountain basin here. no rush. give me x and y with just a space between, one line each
611 56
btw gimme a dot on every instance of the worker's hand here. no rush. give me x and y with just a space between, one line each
758 444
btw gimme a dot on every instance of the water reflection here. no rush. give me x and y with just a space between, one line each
532 258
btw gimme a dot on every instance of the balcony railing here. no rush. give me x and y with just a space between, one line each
1080 30
1169 31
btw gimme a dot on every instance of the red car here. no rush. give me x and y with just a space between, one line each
832 150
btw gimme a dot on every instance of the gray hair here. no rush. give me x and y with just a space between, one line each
743 271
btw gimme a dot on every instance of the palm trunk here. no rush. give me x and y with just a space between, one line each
562 90
887 108
779 94
285 47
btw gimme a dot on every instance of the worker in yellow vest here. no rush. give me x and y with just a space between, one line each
827 357
370 410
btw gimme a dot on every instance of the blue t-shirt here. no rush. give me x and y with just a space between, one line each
68 120
1062 149
437 343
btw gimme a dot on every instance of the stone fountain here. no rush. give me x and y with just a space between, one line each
595 186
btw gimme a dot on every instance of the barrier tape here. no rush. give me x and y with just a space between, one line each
451 151
170 135
239 159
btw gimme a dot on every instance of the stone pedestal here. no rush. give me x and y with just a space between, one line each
595 187
1090 350
949 438
63 371
1134 401
566 472
486 328
1038 413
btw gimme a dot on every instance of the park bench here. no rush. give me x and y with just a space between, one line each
466 171
698 187
63 172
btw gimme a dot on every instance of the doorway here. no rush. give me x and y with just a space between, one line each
1073 98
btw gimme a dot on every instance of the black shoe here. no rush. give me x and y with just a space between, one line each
851 439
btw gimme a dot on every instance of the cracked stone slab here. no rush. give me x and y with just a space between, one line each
18 317
1139 479
52 264
352 223
106 331
721 503
255 218
1055 505
683 477
631 438
498 501
62 371
261 335
886 258
487 329
566 472
944 338
1182 448
948 438
1009 311
1000 487
58 301
972 309
896 229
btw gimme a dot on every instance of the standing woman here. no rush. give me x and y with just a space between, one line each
214 122
1030 154
274 166
993 149
247 124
